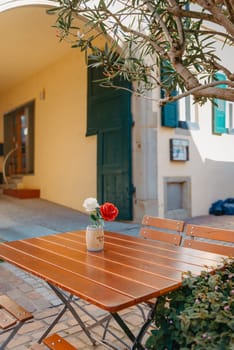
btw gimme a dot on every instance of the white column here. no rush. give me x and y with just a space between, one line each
145 114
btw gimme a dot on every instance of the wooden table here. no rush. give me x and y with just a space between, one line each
129 271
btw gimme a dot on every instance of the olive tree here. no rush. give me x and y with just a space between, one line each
179 38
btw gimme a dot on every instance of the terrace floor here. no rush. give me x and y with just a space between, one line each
23 218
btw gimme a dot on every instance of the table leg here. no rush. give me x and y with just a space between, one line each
104 323
145 327
127 331
67 305
136 340
67 300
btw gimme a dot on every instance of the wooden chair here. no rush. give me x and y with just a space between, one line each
162 229
12 318
210 239
54 342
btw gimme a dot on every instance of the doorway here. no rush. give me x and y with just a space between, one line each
19 140
109 117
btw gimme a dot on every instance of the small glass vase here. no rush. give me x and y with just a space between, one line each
94 238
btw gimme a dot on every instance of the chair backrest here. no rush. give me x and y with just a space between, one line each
210 239
162 229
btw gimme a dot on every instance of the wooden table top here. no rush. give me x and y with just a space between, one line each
129 271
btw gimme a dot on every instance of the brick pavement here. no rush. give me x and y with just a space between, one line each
33 294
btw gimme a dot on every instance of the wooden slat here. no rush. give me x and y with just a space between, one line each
56 342
155 247
6 320
210 233
138 246
143 243
172 238
150 253
112 263
164 223
102 297
128 266
209 247
171 229
117 241
116 281
218 239
14 309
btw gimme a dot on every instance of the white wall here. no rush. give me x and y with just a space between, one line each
210 165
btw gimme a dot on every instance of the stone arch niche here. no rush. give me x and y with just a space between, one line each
7 5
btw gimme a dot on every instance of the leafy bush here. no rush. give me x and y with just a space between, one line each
198 316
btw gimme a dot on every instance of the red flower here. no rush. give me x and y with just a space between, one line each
109 211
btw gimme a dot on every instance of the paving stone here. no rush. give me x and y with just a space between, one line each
16 341
31 327
133 319
25 287
36 346
46 313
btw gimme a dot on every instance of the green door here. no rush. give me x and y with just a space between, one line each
109 116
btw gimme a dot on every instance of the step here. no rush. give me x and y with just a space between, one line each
22 193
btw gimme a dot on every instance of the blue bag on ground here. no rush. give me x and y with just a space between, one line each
216 208
220 207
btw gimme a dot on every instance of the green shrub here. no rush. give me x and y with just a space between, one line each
199 315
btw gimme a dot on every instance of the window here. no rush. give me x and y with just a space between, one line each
182 113
19 139
188 113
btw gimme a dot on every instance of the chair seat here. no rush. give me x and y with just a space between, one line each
56 342
12 318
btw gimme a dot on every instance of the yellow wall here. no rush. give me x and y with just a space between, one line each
65 160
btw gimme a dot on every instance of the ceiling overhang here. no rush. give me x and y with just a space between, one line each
10 4
28 41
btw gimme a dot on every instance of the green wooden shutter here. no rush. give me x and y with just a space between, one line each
103 102
170 111
219 110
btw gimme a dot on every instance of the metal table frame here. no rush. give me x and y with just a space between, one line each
68 299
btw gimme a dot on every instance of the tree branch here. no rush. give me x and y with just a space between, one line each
219 16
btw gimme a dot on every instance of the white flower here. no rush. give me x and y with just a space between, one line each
90 204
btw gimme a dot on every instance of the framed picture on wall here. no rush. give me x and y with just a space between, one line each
179 150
